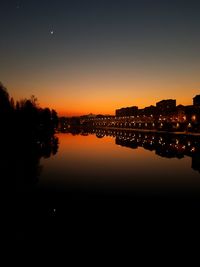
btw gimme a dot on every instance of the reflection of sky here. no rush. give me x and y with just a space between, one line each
103 54
90 161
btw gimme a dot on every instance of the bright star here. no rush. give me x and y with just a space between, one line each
52 32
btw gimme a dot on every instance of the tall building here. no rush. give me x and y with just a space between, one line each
125 112
196 100
151 110
166 106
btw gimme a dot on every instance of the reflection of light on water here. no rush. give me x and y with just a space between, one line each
128 137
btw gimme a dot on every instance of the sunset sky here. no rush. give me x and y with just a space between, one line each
94 56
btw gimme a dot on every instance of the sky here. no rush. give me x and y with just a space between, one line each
94 56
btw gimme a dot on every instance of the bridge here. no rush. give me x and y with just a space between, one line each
162 123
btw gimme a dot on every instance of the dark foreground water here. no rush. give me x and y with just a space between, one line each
99 184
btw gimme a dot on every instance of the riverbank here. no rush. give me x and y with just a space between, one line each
148 131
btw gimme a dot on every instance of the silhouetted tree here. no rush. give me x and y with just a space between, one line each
27 134
4 100
54 117
12 103
34 101
26 117
5 109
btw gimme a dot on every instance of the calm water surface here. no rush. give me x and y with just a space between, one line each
110 166
78 193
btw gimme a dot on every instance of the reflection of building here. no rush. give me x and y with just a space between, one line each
196 162
165 144
196 100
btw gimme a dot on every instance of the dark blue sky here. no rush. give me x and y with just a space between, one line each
100 48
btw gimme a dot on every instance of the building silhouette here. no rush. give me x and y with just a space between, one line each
196 100
166 107
165 116
128 111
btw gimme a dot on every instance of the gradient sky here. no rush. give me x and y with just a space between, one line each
82 56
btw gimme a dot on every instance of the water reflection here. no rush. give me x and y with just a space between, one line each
20 162
163 144
93 169
20 157
23 163
99 163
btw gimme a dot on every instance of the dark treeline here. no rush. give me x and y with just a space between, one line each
26 135
26 117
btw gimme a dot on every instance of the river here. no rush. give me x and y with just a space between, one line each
99 183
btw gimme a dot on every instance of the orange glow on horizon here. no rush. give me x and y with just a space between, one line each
86 95
105 109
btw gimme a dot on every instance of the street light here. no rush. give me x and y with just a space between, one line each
194 117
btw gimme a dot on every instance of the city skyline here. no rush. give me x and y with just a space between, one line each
81 57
